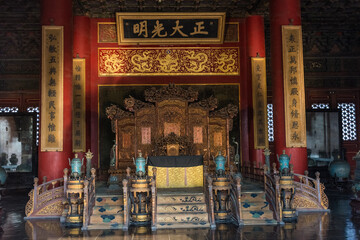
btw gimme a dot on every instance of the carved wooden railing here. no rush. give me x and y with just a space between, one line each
253 171
310 193
89 198
127 204
272 191
153 200
46 200
235 195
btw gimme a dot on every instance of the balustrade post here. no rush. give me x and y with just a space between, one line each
126 203
66 171
265 172
238 193
306 173
254 170
93 176
211 199
36 192
128 172
277 193
154 203
274 168
86 204
318 190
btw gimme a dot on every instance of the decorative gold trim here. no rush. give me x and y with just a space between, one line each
120 17
160 61
52 88
79 106
259 92
294 88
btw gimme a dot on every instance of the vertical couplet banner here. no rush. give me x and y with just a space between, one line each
79 117
259 92
52 88
294 88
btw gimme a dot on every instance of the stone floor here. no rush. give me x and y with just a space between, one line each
337 224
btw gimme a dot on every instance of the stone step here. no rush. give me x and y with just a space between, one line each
253 196
252 205
260 222
105 226
170 225
109 200
108 209
257 214
181 199
107 219
193 218
182 208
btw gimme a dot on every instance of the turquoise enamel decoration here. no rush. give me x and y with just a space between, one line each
284 161
76 165
140 163
220 162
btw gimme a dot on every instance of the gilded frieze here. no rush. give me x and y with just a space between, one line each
169 61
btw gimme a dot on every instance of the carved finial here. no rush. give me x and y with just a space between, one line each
306 173
274 166
267 152
36 181
93 172
125 182
89 155
154 171
238 181
44 179
128 171
210 180
66 171
86 183
53 184
317 174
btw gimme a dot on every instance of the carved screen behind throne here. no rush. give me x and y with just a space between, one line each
171 121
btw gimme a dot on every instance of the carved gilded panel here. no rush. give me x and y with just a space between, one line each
168 61
107 32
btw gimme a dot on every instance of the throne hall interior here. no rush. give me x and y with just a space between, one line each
247 80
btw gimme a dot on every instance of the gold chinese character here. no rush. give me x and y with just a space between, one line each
198 29
178 28
157 30
141 28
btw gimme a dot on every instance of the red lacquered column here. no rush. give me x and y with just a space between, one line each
281 13
82 50
59 13
255 46
244 104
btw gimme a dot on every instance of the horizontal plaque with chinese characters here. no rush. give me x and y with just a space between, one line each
79 117
294 88
52 88
258 72
180 28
